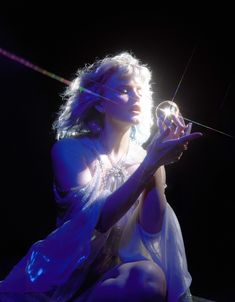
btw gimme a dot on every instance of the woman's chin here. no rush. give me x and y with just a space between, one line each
135 120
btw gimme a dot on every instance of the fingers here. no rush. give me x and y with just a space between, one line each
168 123
187 132
176 124
164 135
158 139
180 117
161 126
189 137
188 128
179 121
179 131
164 141
180 144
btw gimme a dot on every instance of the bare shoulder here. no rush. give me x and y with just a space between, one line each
70 163
67 147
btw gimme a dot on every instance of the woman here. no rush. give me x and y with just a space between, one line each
117 238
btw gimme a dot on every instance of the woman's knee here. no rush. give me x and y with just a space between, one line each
136 281
146 271
149 279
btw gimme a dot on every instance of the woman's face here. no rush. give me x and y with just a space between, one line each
126 96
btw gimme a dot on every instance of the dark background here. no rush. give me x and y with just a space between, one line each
62 39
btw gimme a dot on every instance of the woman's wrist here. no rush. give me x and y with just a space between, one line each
143 175
149 169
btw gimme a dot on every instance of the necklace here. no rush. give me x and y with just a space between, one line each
119 162
115 176
113 163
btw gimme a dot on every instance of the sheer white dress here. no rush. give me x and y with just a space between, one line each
71 260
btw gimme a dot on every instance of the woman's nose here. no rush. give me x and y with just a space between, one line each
136 95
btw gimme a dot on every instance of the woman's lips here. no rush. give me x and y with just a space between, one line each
135 108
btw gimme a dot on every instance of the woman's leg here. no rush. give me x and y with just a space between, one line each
133 281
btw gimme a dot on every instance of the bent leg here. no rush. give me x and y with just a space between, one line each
133 281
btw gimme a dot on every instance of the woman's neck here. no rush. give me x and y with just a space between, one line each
115 139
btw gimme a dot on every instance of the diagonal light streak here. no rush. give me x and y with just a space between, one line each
52 75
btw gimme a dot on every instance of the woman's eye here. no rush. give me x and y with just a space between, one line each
124 91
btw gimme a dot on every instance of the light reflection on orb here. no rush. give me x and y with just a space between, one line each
166 109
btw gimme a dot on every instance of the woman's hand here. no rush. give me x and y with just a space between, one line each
176 123
168 147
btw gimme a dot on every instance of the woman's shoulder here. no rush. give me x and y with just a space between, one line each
75 152
71 161
79 145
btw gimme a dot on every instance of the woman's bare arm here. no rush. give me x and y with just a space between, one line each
117 204
71 169
153 203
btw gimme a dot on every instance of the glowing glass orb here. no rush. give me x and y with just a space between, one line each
166 109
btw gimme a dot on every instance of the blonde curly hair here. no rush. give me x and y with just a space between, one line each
78 114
